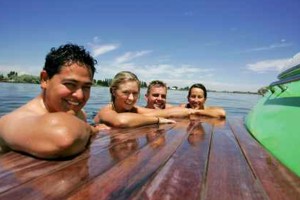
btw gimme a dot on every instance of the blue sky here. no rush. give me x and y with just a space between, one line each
224 44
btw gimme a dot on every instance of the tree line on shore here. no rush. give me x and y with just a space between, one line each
14 77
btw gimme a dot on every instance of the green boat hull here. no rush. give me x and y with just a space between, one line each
275 122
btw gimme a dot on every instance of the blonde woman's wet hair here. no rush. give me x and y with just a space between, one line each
122 77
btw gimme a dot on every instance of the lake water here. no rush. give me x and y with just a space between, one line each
14 95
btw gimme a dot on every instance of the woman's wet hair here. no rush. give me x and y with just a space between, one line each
120 78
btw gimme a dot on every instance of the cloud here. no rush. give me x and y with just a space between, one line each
267 65
128 56
182 75
272 46
274 65
295 60
98 50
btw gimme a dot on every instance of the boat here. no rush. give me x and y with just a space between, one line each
274 120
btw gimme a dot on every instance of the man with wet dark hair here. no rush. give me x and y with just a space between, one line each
53 124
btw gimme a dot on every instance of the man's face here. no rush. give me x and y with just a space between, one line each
156 99
67 90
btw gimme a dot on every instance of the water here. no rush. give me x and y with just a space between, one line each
14 95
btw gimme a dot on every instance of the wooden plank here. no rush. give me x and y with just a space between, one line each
103 153
277 180
17 168
166 162
229 176
131 173
183 175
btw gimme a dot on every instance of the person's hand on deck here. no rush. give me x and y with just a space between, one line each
208 112
162 120
99 127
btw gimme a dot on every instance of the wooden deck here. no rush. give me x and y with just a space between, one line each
188 160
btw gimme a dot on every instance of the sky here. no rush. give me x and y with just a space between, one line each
233 45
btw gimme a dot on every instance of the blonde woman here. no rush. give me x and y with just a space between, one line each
122 111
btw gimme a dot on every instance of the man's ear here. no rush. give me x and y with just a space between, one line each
44 79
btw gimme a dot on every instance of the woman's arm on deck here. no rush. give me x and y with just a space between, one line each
179 112
215 111
127 119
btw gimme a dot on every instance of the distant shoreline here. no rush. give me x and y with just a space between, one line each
232 92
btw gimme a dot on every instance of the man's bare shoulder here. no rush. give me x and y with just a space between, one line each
33 107
26 113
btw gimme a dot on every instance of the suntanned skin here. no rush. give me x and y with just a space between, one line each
156 98
157 95
197 100
52 124
124 113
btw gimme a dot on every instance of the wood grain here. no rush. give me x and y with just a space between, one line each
199 158
183 175
229 176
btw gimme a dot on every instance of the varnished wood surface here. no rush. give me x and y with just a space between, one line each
193 159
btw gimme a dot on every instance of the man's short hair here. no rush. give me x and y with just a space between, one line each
156 83
68 54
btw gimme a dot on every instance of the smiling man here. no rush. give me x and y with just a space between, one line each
156 95
53 124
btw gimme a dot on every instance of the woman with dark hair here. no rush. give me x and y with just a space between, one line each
196 99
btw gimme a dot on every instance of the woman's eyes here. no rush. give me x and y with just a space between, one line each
127 93
199 97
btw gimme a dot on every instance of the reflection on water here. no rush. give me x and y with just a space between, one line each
13 95
196 130
156 138
123 145
197 134
121 148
